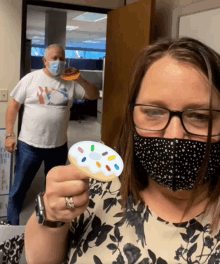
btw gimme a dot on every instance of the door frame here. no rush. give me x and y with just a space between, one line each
57 5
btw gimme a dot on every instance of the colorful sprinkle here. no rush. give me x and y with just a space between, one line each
84 159
108 168
98 164
105 153
116 166
92 148
80 150
112 158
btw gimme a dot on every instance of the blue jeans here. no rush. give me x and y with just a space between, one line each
28 162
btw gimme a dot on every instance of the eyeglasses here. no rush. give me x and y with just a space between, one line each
194 121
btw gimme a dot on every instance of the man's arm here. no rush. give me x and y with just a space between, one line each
91 91
11 115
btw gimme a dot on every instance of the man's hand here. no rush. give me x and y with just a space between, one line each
10 144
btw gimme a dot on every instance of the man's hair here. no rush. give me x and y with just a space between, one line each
50 46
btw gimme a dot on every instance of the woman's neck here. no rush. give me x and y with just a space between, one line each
170 205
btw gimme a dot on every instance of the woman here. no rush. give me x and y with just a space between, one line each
164 208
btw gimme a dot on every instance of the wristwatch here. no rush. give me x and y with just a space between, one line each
9 135
41 214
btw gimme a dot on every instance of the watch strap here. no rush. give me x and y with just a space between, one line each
9 135
41 210
52 224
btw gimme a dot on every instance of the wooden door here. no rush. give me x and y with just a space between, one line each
129 28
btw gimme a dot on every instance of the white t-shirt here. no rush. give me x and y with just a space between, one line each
47 102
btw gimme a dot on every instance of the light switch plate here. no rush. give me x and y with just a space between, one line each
3 95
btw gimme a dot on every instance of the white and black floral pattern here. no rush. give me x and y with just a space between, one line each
12 248
104 234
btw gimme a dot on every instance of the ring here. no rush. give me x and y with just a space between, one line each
69 203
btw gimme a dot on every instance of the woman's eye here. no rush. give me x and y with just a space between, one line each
153 113
199 117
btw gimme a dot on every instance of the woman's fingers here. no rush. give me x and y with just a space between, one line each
62 182
69 188
78 201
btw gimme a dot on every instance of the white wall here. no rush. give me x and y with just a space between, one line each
187 7
203 26
10 48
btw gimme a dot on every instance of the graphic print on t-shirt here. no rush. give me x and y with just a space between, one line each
53 96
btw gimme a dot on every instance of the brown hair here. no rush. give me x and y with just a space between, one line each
186 50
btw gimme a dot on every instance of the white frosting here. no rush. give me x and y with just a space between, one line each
116 165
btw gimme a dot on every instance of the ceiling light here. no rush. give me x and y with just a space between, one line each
91 41
70 28
90 17
37 37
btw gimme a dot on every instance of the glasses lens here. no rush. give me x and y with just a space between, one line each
197 121
150 117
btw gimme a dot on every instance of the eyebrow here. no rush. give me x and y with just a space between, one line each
195 105
198 105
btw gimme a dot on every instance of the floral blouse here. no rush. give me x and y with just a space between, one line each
102 235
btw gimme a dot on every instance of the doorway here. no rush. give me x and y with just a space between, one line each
87 52
85 48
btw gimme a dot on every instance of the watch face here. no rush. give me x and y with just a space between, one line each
39 216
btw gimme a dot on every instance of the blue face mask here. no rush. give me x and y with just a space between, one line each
56 67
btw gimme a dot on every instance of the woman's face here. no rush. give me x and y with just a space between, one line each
176 86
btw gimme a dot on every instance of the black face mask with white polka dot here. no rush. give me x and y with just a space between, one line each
174 163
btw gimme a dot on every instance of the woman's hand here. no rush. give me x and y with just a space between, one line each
62 182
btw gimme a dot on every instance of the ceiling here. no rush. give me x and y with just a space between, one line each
93 33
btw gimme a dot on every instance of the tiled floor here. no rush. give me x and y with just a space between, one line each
88 129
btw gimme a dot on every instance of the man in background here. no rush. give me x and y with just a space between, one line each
47 101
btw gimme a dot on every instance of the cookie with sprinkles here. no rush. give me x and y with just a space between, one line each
96 160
